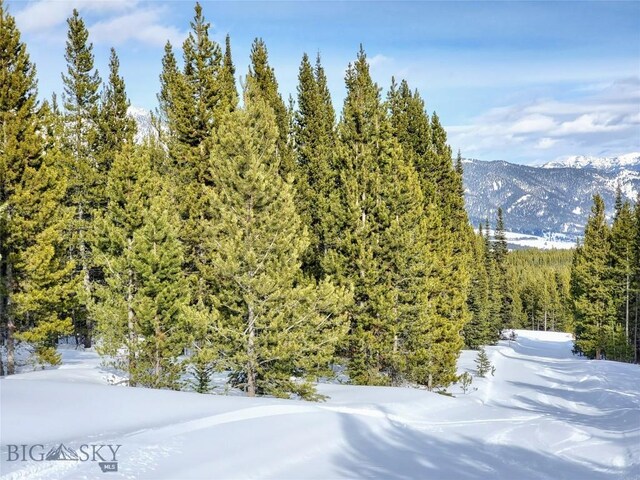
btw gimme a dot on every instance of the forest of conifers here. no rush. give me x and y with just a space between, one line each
266 239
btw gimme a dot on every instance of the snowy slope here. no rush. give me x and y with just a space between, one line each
545 414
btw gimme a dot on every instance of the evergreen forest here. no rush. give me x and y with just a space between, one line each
269 239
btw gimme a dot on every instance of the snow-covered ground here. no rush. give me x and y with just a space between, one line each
544 415
550 241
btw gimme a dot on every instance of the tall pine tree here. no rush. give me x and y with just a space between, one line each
81 103
593 302
141 305
35 276
274 324
314 136
623 233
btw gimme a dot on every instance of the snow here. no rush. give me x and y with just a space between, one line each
545 414
599 163
550 240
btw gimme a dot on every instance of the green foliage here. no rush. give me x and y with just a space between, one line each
141 305
36 282
86 179
623 237
479 330
465 381
115 128
591 286
314 139
265 85
260 241
483 364
390 244
540 281
274 324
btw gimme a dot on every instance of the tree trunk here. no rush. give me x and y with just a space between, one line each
251 371
635 333
545 320
11 325
130 327
157 366
86 281
3 299
626 318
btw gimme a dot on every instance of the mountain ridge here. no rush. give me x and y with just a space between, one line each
555 197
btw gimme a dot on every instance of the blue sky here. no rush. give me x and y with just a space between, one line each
521 81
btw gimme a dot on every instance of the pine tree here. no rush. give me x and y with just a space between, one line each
227 81
449 235
635 336
202 66
160 302
478 331
35 283
140 307
43 275
266 85
81 103
381 247
591 290
129 187
352 260
495 293
170 101
622 240
115 127
483 363
274 323
500 251
193 101
314 140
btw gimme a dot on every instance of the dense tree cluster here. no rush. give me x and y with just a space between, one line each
540 286
605 283
265 240
527 289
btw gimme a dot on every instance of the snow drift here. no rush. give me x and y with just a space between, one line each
545 414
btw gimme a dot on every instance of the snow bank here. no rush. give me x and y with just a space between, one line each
545 414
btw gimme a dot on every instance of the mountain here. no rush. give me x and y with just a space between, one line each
551 199
629 160
142 118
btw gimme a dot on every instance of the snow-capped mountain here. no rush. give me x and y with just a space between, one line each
142 118
553 198
629 160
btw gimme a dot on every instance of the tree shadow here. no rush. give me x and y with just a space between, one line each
400 452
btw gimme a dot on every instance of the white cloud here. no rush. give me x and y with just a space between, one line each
599 122
110 22
378 60
590 123
545 143
43 15
142 25
533 123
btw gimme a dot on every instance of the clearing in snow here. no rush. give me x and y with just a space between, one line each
545 414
